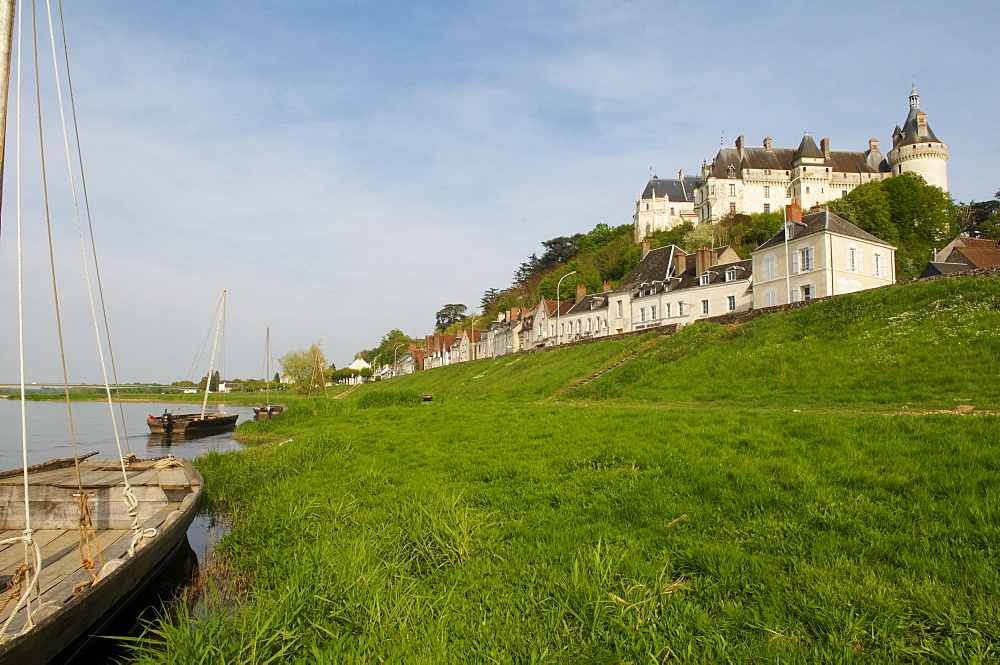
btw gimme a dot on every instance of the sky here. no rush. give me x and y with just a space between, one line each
343 169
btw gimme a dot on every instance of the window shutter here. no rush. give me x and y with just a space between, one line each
861 261
875 264
847 260
795 263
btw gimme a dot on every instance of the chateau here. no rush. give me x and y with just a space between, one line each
766 178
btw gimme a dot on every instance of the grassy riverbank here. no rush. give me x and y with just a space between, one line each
790 490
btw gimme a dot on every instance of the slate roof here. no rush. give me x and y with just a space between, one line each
652 268
783 159
935 268
910 132
717 274
673 189
818 222
589 303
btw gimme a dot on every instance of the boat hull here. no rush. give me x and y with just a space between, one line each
78 616
191 423
264 412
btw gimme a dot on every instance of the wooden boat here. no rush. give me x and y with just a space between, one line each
268 410
80 536
68 603
191 423
197 423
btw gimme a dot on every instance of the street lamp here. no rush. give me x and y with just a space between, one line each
394 357
559 307
472 326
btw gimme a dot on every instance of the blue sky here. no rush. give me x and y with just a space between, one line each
346 168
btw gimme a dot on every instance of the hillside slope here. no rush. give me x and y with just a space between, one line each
924 345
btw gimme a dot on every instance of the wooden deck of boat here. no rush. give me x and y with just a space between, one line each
61 553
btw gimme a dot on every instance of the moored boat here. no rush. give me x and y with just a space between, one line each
191 423
95 556
269 411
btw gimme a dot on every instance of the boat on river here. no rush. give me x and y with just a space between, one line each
191 423
203 422
81 536
268 410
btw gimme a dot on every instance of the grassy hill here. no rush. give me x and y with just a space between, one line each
750 494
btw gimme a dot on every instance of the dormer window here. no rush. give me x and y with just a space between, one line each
730 274
732 172
703 279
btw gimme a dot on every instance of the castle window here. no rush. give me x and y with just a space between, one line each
767 171
843 192
732 172
732 190
807 190
732 208
767 207
767 191
671 212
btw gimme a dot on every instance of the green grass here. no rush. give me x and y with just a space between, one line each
670 513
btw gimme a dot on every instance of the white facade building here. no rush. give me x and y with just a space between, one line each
825 255
665 204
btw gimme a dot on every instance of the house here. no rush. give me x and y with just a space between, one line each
464 348
669 286
409 362
823 255
587 316
437 350
545 319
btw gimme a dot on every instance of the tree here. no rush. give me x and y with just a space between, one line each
277 377
700 236
215 382
979 219
306 367
490 297
450 314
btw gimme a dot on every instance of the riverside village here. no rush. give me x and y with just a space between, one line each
815 254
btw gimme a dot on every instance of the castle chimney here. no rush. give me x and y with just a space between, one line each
605 287
645 248
793 211
767 143
873 144
824 145
581 291
740 146
921 123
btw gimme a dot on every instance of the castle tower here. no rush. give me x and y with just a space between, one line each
916 149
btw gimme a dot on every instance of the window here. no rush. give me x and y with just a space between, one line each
877 264
843 192
730 274
767 191
769 271
731 300
767 207
642 313
704 307
619 309
552 330
807 259
770 299
562 329
578 322
671 212
731 171
732 208
807 190
680 308
703 279
732 190
853 261
767 171
666 311
652 313
588 325
808 292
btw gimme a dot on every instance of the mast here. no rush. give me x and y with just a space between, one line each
6 45
267 369
215 344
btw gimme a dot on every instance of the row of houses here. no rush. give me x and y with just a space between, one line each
815 255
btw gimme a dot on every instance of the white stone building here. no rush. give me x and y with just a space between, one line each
665 204
825 255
